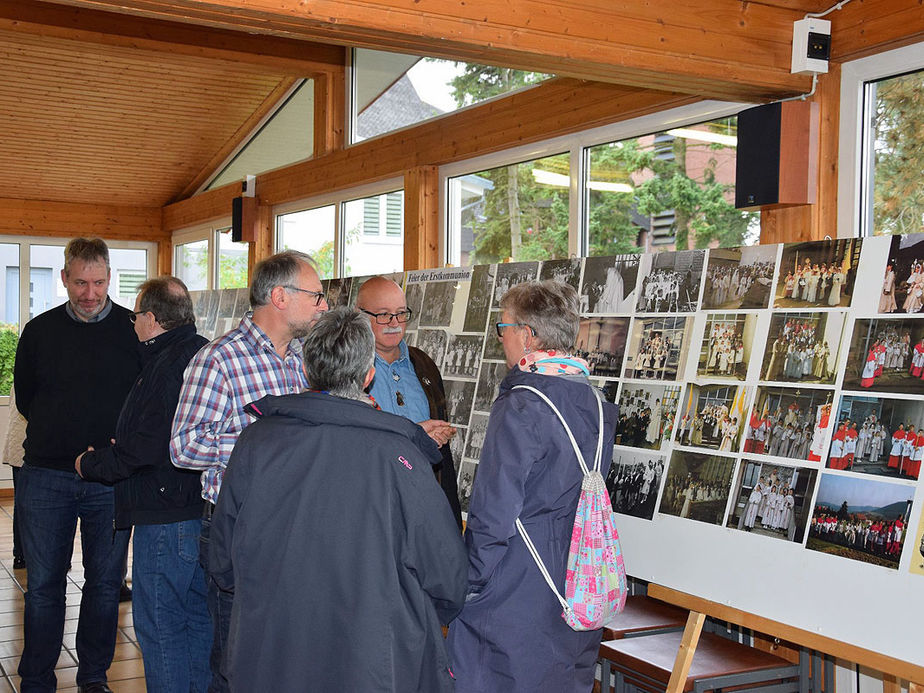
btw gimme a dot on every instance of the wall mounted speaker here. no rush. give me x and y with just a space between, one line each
244 219
777 160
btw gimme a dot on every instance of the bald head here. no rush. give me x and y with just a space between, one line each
380 295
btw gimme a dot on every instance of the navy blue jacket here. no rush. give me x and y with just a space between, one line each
341 549
510 635
149 490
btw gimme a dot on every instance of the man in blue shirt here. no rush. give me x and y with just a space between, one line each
407 381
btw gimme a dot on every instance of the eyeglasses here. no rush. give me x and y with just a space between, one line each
385 317
501 326
318 295
134 316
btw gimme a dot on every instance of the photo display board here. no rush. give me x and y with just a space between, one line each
771 425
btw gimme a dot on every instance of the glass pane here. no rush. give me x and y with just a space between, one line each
9 326
374 234
518 212
393 90
129 270
311 231
897 140
671 190
286 138
232 262
191 264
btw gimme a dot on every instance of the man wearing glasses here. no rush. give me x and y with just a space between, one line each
261 356
407 382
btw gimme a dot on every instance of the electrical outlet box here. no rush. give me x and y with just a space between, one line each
811 46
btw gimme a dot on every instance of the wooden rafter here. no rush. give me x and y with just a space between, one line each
717 48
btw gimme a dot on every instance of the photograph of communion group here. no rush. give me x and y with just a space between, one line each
773 391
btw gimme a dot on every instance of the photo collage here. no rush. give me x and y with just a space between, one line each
764 389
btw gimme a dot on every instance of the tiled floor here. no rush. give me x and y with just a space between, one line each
126 675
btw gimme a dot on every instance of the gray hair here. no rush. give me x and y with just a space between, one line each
168 298
550 307
339 351
280 269
88 250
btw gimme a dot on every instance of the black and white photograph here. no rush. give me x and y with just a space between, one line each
886 355
609 388
772 500
356 284
739 277
488 381
242 303
803 347
477 429
817 274
227 302
878 435
209 328
510 274
609 284
903 278
479 298
437 303
433 344
789 422
670 281
712 416
413 297
463 354
633 482
658 347
860 518
567 270
467 471
337 291
697 486
459 397
493 349
726 348
457 444
602 342
646 415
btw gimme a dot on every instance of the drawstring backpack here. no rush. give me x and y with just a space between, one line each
595 581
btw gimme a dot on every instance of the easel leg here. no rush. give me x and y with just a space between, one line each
685 654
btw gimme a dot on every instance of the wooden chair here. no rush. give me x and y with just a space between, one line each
645 616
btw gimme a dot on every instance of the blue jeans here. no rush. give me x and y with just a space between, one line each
220 603
169 607
49 502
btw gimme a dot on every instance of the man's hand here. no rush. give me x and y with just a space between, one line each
77 461
441 431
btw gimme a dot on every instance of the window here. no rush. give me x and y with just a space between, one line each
287 136
311 231
129 281
205 257
392 91
348 233
881 149
606 191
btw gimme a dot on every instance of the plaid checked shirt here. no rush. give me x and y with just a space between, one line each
225 376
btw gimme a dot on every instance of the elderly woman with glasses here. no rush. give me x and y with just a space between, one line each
510 635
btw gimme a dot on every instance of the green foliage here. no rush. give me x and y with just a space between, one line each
898 195
480 82
9 338
232 271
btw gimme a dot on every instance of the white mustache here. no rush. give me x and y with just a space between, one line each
393 330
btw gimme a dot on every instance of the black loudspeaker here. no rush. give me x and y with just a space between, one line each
237 219
777 159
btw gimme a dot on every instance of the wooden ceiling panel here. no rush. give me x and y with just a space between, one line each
97 123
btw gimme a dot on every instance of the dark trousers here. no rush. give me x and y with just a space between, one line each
49 504
220 602
17 539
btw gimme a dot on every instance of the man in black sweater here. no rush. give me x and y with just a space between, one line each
74 366
164 503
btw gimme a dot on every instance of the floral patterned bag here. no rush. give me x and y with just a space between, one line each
595 581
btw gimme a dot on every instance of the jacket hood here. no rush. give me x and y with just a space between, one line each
572 390
321 408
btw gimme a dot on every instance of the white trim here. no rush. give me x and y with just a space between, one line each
575 144
854 75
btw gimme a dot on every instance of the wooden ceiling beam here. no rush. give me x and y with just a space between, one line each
871 26
295 57
713 48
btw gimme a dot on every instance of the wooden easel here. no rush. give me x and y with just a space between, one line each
894 670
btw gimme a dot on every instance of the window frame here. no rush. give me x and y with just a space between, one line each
337 198
202 232
576 144
852 176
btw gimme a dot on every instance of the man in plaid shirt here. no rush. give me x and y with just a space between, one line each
262 356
